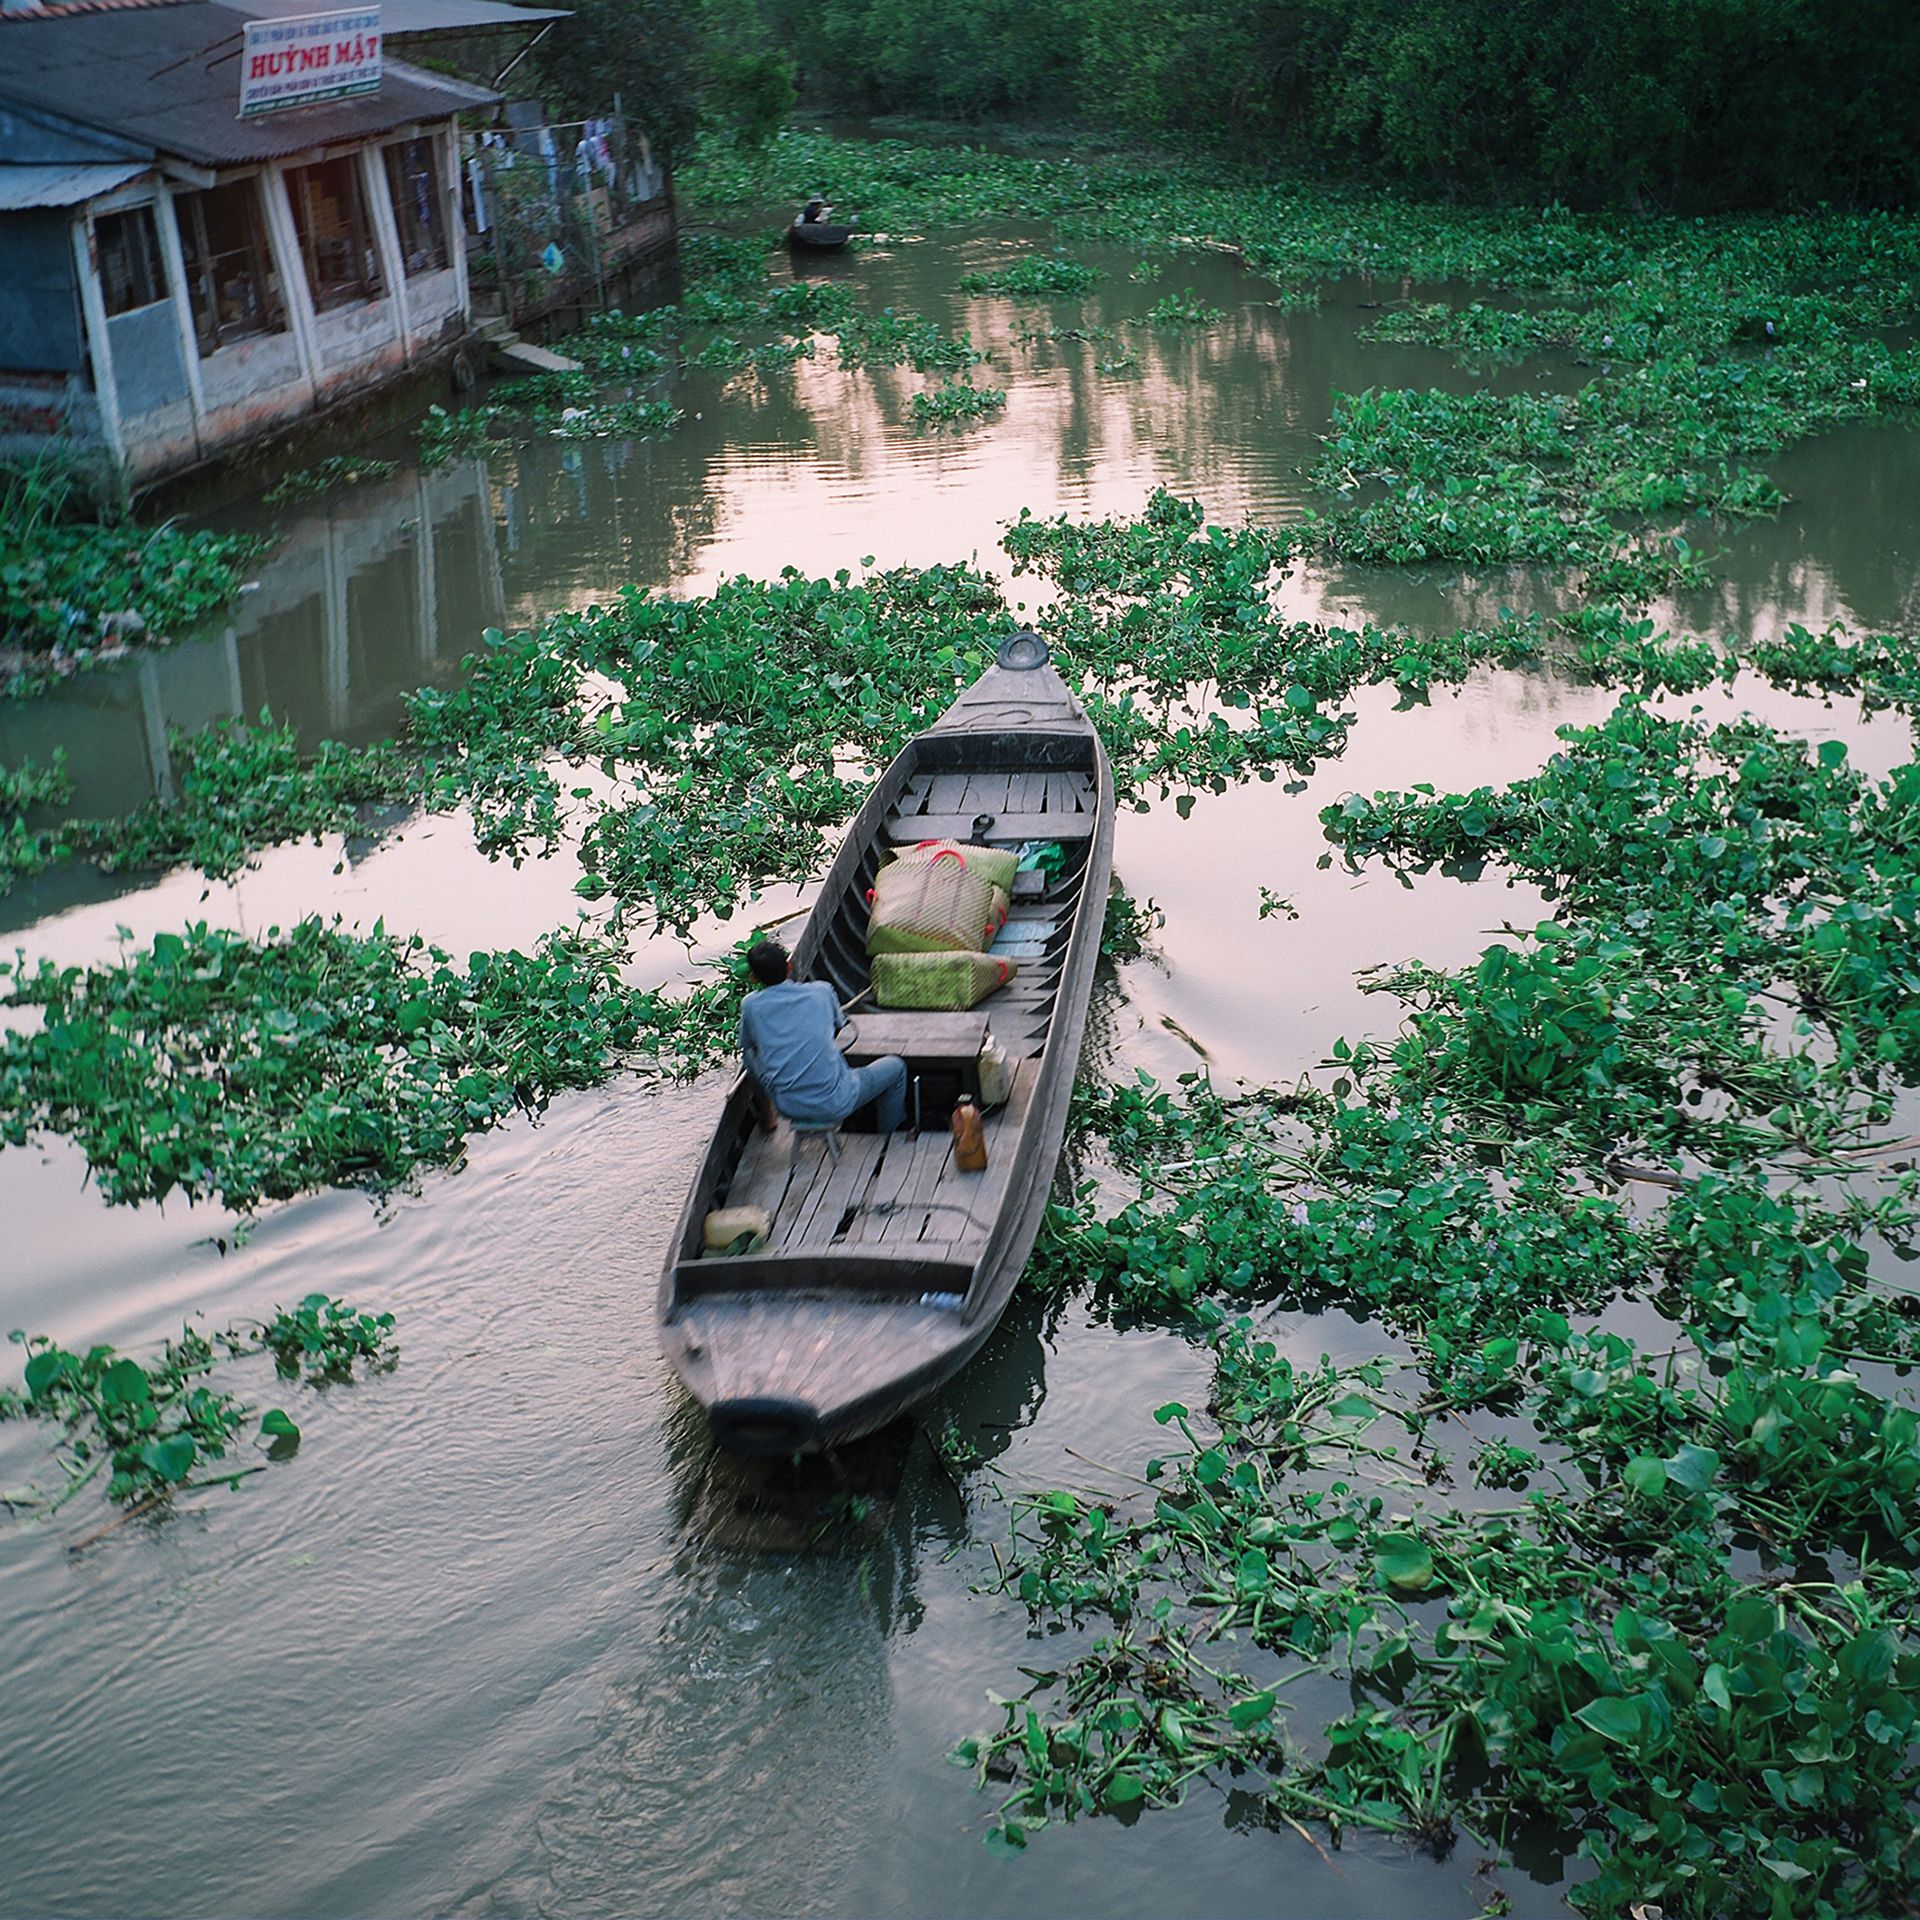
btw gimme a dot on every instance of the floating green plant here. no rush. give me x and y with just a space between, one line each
1184 309
249 1070
160 1428
336 470
1039 276
955 402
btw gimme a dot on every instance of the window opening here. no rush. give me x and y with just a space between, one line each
231 284
128 250
335 234
413 181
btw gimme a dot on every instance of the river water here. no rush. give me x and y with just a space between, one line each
504 1637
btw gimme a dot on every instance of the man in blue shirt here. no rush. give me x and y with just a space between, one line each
787 1042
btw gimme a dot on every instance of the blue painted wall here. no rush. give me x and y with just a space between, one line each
40 325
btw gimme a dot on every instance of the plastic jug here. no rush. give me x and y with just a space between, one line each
996 1072
969 1137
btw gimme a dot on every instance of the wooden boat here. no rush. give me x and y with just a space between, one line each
887 1267
819 236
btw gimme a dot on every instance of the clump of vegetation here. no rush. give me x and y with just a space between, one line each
238 787
323 1339
1692 1643
956 402
217 1065
1184 309
336 470
1040 276
153 1425
445 436
75 583
890 339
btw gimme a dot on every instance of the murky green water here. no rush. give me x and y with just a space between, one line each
505 1638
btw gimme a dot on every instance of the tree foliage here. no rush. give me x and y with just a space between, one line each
1676 103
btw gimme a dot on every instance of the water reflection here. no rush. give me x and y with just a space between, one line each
366 595
380 587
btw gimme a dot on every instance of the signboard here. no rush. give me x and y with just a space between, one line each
310 57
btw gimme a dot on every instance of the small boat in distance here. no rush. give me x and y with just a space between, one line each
887 1267
818 236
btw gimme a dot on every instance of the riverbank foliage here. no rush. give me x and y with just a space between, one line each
1613 102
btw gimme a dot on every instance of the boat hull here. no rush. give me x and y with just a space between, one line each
818 236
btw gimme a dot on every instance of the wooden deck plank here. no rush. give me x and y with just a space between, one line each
980 1193
987 793
1027 792
760 1180
1068 793
812 1223
947 792
908 1218
1008 828
904 1160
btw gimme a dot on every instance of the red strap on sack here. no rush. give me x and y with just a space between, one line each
1005 969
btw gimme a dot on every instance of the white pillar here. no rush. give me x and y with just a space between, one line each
93 305
292 269
453 210
167 225
386 233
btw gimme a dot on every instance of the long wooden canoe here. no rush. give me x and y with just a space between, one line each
887 1267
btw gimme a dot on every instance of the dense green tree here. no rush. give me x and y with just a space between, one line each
1669 102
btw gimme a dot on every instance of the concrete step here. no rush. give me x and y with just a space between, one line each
506 347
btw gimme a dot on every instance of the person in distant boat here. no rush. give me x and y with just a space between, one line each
787 1044
815 212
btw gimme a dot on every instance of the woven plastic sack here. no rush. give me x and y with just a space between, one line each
995 864
996 914
930 906
937 982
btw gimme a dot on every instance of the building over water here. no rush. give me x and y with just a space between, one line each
218 221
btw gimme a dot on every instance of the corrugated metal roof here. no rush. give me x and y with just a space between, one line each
403 19
62 185
169 78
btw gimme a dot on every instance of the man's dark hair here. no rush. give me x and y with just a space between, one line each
768 963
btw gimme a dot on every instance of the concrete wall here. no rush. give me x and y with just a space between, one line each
252 387
358 346
150 383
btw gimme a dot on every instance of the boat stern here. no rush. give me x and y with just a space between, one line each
783 1373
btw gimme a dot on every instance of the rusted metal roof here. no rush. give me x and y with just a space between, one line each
168 77
56 184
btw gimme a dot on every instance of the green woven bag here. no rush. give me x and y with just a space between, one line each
937 982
